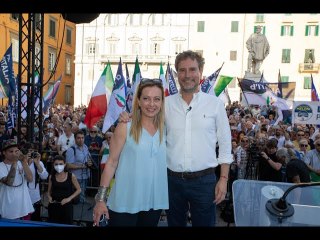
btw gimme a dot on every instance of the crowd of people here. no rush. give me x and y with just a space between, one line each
177 154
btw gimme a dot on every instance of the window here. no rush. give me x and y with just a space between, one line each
234 26
135 19
111 48
200 26
158 19
286 30
38 21
52 28
113 19
284 79
69 36
68 64
15 48
263 29
307 83
312 30
15 16
286 55
67 94
37 56
136 48
91 48
178 48
309 56
233 55
260 18
52 59
155 48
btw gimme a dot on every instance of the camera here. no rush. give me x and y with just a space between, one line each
253 151
24 151
34 154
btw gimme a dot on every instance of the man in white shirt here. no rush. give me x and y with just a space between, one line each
195 121
15 201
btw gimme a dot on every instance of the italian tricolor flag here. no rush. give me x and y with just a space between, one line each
98 103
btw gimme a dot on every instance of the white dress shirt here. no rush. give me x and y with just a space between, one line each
193 130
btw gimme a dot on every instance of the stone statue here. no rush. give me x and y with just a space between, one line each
258 47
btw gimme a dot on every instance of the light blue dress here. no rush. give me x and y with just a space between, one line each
141 177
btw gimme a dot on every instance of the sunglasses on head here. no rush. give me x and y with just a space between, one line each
150 80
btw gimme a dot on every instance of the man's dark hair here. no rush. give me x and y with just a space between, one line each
79 132
192 55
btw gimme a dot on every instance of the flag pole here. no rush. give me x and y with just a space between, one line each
243 92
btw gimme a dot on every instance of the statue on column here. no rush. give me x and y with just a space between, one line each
258 47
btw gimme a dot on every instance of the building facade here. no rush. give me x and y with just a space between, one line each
220 38
59 41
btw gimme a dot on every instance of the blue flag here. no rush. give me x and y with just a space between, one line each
208 83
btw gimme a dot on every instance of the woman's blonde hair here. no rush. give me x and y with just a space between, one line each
136 126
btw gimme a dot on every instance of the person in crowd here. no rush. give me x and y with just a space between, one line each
104 151
192 163
138 160
38 172
65 140
63 187
94 143
297 171
312 159
79 162
269 165
15 173
3 136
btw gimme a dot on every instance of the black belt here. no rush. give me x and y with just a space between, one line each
190 175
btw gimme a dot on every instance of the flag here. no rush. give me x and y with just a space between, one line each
98 103
8 86
117 102
162 77
171 87
221 84
129 97
260 93
208 83
135 82
7 79
287 88
50 95
109 80
314 94
279 90
128 77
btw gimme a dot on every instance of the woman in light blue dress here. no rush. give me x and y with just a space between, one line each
138 160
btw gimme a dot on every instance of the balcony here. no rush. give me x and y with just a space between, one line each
309 67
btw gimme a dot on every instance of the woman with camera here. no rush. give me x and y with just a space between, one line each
38 172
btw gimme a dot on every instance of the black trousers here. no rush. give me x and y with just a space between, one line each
58 213
141 219
36 215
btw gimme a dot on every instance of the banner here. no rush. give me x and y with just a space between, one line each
306 112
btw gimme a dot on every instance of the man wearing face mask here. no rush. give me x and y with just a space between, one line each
61 193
